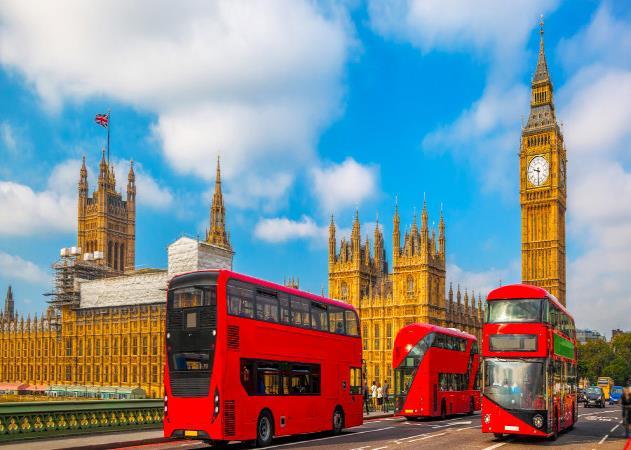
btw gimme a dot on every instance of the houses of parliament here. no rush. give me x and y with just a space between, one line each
105 322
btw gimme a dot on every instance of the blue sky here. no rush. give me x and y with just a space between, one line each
316 107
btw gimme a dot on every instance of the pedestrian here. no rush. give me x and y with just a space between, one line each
373 395
379 397
365 389
386 393
625 403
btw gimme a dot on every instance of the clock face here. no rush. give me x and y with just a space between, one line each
538 170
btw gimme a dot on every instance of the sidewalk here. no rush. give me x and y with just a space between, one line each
109 440
377 415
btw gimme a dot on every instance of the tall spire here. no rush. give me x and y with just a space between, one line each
9 305
542 113
332 241
541 72
217 234
356 229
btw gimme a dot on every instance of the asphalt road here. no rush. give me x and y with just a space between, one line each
596 429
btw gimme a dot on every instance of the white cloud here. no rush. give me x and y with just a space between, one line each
253 83
25 211
7 136
54 209
14 267
346 184
595 107
149 192
282 229
482 282
495 28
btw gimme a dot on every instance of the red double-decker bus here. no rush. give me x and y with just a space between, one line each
529 370
249 360
435 371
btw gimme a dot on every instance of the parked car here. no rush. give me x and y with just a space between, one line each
580 396
595 396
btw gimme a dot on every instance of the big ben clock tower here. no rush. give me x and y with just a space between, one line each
543 183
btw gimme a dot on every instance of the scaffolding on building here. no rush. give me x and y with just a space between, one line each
70 270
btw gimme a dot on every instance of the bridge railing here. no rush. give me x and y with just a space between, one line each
27 420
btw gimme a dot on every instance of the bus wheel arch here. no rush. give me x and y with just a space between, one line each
264 428
338 419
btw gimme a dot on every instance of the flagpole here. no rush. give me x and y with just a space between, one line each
109 124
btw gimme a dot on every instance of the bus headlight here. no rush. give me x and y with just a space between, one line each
216 404
487 418
537 420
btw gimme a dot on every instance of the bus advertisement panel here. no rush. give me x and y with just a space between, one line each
529 368
435 371
249 360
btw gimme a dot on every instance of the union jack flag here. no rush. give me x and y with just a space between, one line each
102 119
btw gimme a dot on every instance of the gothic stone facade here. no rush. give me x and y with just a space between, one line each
114 336
414 291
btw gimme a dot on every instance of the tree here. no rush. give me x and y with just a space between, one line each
618 369
593 357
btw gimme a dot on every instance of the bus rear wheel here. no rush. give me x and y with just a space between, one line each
264 429
338 420
498 435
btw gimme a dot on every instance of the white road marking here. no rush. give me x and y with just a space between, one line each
499 444
466 422
614 428
361 448
380 448
329 437
603 439
428 437
601 412
468 428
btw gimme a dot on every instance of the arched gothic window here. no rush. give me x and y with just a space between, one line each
410 285
344 291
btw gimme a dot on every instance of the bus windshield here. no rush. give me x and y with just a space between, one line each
515 384
520 310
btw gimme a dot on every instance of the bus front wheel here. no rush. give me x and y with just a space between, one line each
338 420
264 429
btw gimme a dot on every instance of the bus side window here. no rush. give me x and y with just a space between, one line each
240 301
283 300
336 320
300 315
266 307
318 316
352 324
356 380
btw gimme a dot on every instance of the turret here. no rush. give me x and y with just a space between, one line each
356 238
131 183
83 182
332 241
9 305
396 233
103 175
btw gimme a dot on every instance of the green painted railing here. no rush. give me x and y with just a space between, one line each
29 420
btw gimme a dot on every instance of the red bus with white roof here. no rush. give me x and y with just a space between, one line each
249 360
529 368
435 371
